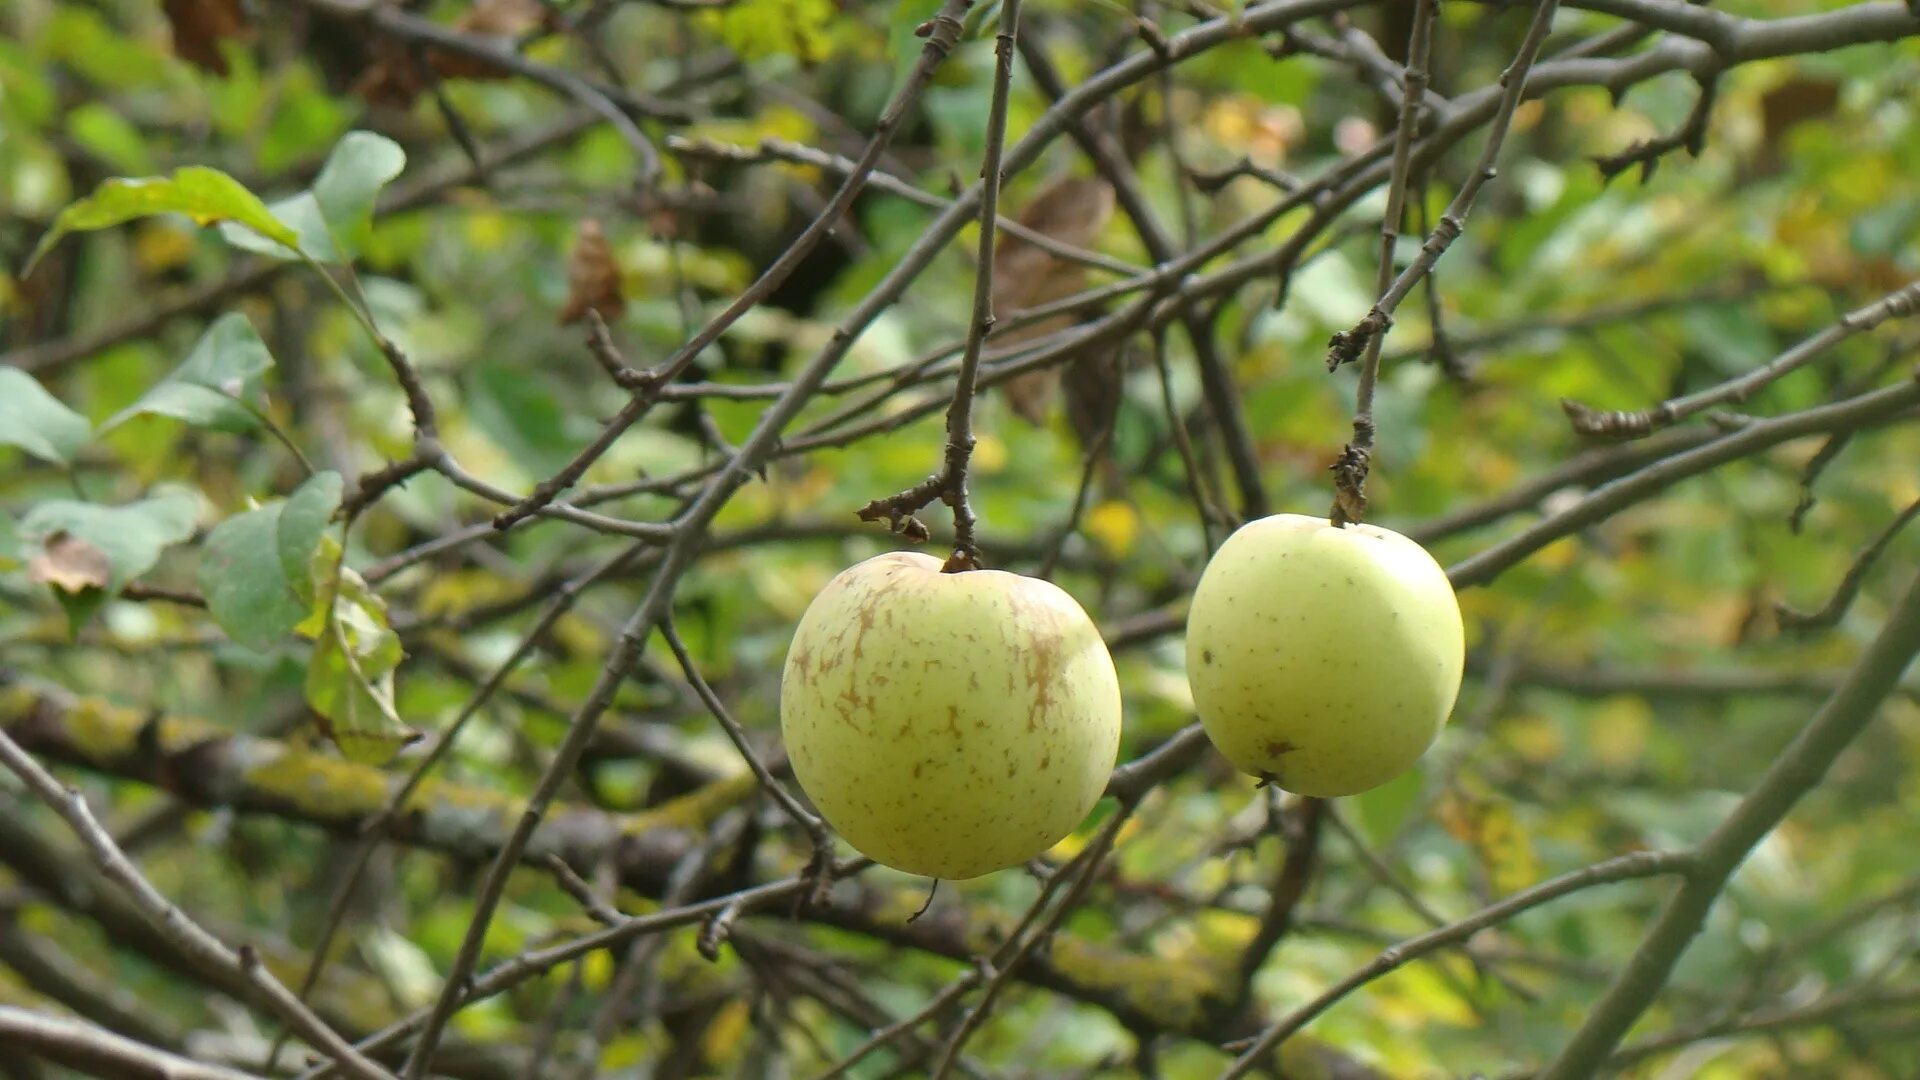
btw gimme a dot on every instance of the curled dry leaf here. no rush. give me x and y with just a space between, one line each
489 18
593 278
70 564
394 78
1069 209
200 25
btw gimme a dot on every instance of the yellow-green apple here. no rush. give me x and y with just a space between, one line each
949 725
1324 659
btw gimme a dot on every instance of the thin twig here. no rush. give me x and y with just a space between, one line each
949 482
174 923
1640 864
1356 460
1900 303
1830 613
809 822
1347 345
1795 771
943 33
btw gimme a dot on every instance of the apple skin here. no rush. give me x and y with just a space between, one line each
1324 659
949 725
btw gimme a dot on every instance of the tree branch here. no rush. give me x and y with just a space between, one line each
98 1052
1796 771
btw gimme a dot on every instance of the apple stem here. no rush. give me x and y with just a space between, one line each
950 482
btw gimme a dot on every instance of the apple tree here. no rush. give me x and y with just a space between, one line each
435 438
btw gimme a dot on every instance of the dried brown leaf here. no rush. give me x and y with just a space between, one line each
489 18
1071 210
392 79
70 564
199 26
593 278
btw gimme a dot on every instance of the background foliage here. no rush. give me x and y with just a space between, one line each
227 667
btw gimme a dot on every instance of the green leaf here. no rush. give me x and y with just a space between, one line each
203 194
209 388
301 215
111 136
358 168
132 536
12 550
247 592
301 525
256 570
36 421
521 415
351 673
333 217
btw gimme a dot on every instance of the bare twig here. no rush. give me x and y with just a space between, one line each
949 482
1346 346
810 823
1797 770
1692 135
1640 864
1863 411
1843 596
942 34
1356 459
1900 303
174 923
97 1051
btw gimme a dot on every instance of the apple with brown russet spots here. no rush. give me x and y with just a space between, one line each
949 724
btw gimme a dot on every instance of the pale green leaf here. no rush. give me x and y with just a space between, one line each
247 593
36 421
132 536
301 525
215 385
333 216
355 654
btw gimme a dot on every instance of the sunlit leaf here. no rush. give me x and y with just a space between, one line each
206 195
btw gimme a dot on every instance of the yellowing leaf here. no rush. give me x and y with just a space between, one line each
1617 730
1536 738
158 248
1113 525
355 654
1485 822
205 195
989 454
727 1032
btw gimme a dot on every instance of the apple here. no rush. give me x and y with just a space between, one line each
949 725
1323 659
